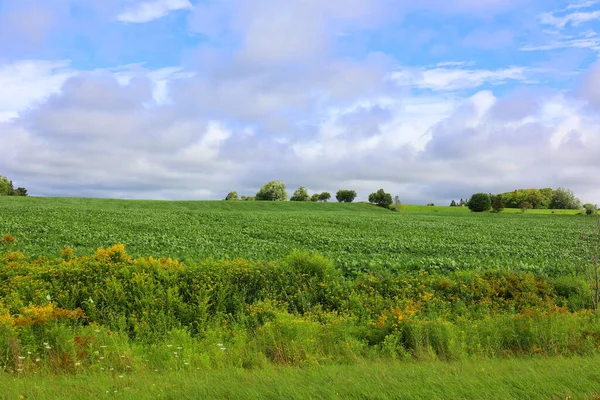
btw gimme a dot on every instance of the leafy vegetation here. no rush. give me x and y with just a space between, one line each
7 188
345 196
272 191
357 237
480 202
381 198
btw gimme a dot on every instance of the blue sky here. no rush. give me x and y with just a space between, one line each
187 99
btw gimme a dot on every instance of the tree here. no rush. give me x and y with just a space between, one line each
590 208
497 203
21 192
381 198
397 202
300 194
345 196
453 204
314 197
525 206
325 196
479 202
272 191
564 199
4 186
232 196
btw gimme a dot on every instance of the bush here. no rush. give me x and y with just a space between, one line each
480 202
381 198
497 203
345 196
314 197
300 194
325 196
232 196
272 191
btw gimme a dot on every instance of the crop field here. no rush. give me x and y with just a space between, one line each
103 298
358 237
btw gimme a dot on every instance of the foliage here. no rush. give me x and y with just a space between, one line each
300 194
497 203
345 196
381 198
453 204
272 191
356 236
325 196
7 188
564 199
590 209
248 198
89 312
232 196
314 197
480 202
538 198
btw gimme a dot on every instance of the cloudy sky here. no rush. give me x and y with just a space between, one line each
432 100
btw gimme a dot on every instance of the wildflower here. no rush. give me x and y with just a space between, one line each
120 376
97 331
77 364
179 348
101 358
91 302
37 360
48 297
21 358
186 363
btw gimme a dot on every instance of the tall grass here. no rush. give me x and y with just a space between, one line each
112 312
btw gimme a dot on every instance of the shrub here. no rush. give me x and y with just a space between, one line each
272 191
381 198
232 196
300 194
345 196
325 196
480 202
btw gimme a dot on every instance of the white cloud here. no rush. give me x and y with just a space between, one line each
154 9
457 78
574 19
27 83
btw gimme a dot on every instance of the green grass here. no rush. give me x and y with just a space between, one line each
538 378
356 236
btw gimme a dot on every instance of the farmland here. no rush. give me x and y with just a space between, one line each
111 295
356 236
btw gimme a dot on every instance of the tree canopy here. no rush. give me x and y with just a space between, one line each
381 198
7 188
272 191
300 194
480 202
345 196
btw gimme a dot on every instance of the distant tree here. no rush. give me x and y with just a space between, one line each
300 194
21 192
381 198
345 196
497 203
479 202
525 206
314 197
453 204
590 208
232 196
5 185
248 198
564 199
272 191
430 204
397 203
325 196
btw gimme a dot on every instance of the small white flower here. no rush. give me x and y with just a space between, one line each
179 348
37 360
101 358
48 297
186 363
77 364
169 345
91 301
21 358
97 331
120 376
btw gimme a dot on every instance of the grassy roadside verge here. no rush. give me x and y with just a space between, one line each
531 378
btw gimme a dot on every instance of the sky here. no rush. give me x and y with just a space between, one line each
431 100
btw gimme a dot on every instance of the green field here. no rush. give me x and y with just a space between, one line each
136 299
355 236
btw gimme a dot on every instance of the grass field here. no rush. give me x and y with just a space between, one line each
538 378
291 300
355 236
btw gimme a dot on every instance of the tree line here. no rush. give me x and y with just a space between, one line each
276 191
547 198
7 188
